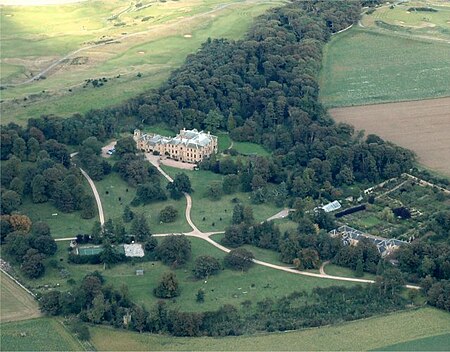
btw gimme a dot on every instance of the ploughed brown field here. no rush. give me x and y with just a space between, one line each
422 126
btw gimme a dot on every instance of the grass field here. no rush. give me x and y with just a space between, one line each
228 287
433 25
372 333
217 212
61 225
152 40
432 343
43 334
16 303
248 148
365 67
113 207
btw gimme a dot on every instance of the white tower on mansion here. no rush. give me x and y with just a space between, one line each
189 146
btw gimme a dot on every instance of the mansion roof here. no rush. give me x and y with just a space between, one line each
189 138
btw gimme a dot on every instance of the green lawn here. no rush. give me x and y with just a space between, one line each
399 19
43 334
61 225
265 255
228 287
161 129
372 333
336 270
217 212
224 141
69 27
365 67
113 207
248 148
432 343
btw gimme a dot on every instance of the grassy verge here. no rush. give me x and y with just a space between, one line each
371 333
43 334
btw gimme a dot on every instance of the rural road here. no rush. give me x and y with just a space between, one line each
206 236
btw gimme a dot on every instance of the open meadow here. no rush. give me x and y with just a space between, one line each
422 126
42 334
227 287
215 215
130 47
362 67
16 303
373 333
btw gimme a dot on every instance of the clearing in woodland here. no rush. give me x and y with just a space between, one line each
390 329
422 126
16 303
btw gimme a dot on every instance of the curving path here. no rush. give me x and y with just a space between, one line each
206 236
96 195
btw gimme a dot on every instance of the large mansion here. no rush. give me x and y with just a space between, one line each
189 146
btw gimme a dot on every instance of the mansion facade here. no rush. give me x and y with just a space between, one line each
190 146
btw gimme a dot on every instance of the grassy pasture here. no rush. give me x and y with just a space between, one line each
433 25
432 343
363 67
113 207
248 148
43 334
220 211
16 303
372 333
174 30
228 287
61 225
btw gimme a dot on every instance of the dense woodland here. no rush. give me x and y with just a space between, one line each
261 89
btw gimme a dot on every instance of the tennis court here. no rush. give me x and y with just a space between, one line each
89 250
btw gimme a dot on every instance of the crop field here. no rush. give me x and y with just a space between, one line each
43 334
372 333
365 67
16 303
105 39
422 126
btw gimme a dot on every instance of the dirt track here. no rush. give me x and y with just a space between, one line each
422 126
